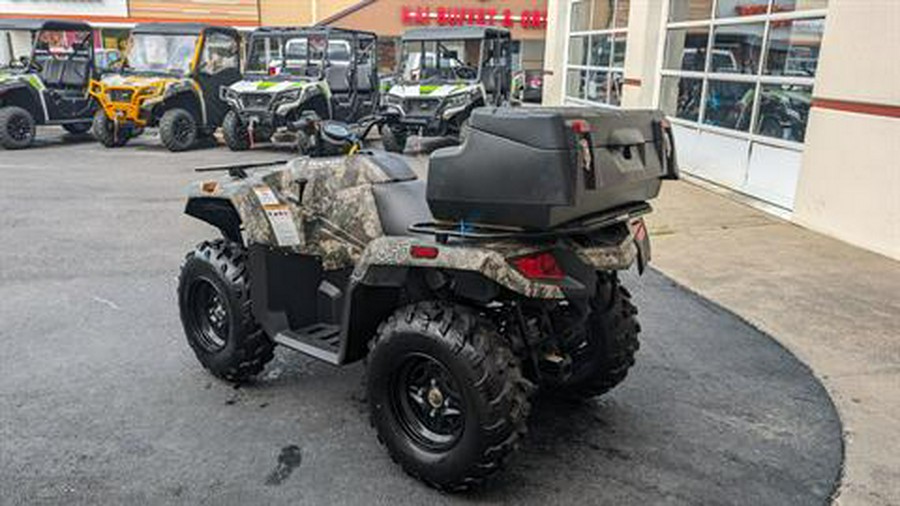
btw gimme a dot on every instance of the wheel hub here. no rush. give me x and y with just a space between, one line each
435 397
428 403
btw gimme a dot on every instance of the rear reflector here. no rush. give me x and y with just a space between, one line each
423 252
539 266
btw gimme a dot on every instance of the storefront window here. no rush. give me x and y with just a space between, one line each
793 48
796 5
580 19
578 50
680 97
689 10
686 48
575 83
753 78
596 55
729 105
737 49
783 111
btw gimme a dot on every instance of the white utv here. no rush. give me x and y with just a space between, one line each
445 73
293 74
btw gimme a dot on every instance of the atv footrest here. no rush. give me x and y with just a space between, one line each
321 341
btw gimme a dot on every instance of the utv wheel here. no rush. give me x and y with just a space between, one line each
214 301
446 394
105 131
237 137
77 128
394 140
16 128
610 345
178 130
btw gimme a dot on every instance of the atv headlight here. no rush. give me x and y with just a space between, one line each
289 96
457 100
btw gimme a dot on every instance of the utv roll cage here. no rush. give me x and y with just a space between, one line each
357 40
483 33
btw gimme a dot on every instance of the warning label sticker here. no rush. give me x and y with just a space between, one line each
280 217
282 221
266 196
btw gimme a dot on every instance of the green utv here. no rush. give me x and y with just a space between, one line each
293 74
463 294
445 73
51 86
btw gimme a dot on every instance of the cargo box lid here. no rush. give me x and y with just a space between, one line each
550 128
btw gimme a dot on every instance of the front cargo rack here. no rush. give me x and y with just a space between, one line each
444 230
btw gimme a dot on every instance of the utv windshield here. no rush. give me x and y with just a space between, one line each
433 61
295 56
169 54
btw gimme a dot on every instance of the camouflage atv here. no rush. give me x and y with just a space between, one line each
171 80
50 87
463 294
445 74
293 72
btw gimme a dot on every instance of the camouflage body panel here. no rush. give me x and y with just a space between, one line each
338 222
337 219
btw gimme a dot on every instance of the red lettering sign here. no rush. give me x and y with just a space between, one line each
472 16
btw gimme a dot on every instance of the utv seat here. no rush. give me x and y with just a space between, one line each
338 78
401 204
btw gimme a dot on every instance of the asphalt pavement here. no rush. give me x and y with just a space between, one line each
102 401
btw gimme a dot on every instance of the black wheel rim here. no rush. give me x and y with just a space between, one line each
209 315
18 127
427 402
182 130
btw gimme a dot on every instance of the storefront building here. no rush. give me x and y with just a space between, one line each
795 103
526 19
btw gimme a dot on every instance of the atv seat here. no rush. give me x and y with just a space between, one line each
401 204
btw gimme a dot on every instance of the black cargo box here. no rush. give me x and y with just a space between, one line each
539 167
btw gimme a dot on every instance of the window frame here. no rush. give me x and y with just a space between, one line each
759 79
610 69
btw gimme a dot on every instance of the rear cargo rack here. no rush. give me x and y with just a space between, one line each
444 230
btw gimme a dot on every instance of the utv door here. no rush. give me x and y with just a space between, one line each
219 65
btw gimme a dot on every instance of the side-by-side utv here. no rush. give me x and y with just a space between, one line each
445 73
293 73
170 79
51 86
464 293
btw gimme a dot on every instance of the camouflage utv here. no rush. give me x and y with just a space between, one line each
464 294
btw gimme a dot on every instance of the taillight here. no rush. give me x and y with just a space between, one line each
580 126
423 252
539 266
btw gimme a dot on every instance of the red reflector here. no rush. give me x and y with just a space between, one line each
639 230
423 252
539 266
580 126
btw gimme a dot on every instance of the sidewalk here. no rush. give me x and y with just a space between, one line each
835 306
